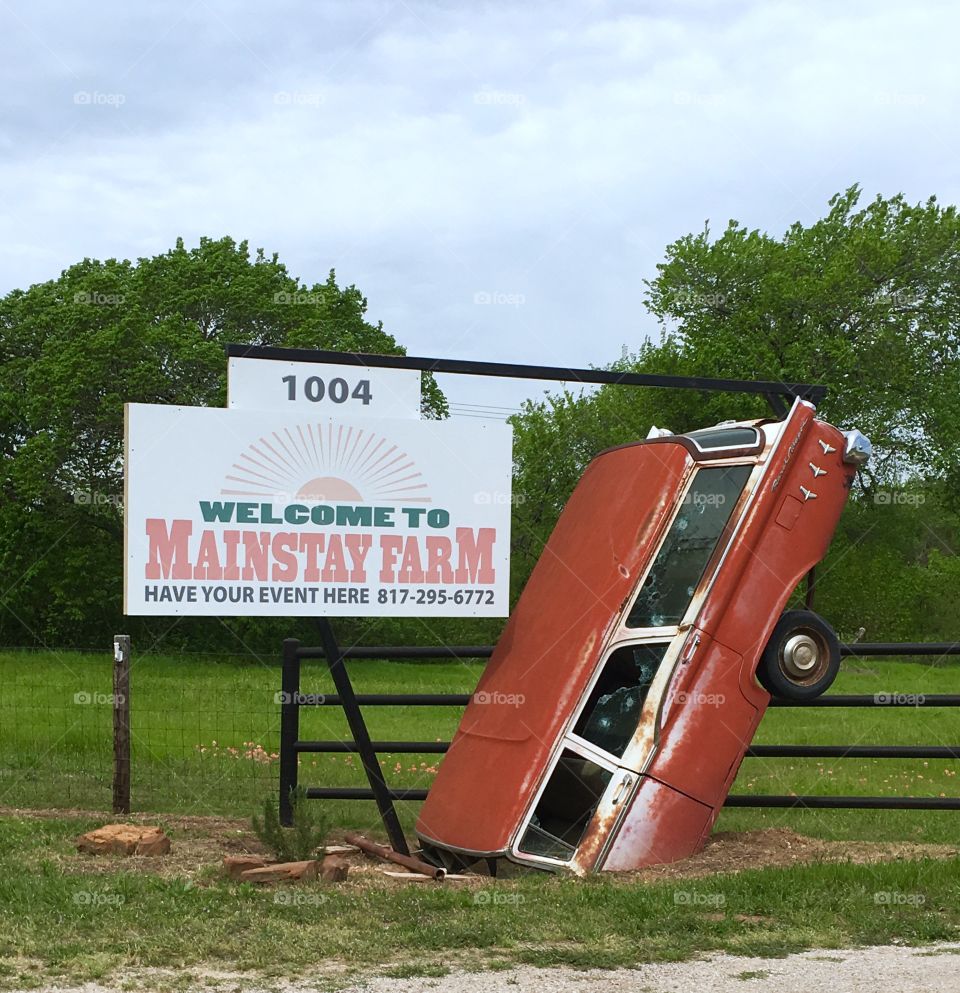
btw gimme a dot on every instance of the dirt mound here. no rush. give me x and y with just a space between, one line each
729 851
202 842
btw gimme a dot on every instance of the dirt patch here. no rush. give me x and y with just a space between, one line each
729 851
201 843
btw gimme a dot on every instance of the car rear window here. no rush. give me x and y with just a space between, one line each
682 559
712 438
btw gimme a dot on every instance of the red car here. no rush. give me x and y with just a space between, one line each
617 707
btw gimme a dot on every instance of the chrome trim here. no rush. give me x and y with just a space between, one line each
857 449
726 448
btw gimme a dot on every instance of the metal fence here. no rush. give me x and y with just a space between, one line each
294 698
204 730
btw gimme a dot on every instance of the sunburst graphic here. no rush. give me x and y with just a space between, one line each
327 463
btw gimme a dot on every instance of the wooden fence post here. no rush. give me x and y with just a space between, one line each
121 724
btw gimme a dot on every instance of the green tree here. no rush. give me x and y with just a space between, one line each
865 301
72 351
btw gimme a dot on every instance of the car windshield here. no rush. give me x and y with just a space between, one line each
682 560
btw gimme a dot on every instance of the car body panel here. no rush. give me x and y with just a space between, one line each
599 601
574 595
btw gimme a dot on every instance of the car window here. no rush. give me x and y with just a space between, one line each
611 715
738 437
565 808
680 563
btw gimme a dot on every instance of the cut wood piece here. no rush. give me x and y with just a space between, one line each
282 872
124 839
334 869
236 865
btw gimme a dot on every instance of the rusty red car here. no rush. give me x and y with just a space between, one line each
627 685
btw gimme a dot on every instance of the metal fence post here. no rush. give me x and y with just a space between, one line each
289 726
121 724
361 736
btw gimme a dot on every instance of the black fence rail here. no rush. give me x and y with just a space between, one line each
292 700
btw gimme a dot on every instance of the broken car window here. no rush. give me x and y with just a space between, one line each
680 564
565 808
612 712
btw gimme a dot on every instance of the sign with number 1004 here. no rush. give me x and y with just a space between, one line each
351 390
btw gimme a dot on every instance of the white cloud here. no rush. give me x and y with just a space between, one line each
437 153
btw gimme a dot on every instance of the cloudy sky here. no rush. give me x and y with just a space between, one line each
498 179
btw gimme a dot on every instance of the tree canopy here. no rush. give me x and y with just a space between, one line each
73 350
865 301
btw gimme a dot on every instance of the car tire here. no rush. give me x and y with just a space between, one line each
802 657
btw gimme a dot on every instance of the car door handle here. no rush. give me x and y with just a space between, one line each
692 645
624 785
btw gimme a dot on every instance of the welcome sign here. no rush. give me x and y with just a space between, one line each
237 512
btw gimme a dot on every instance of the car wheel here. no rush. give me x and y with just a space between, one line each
802 657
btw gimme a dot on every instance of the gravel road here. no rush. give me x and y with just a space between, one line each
929 969
866 970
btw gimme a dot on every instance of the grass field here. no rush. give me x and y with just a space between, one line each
63 918
205 739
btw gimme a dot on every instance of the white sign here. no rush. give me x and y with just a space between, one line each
235 512
322 388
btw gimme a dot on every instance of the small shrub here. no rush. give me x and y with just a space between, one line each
305 840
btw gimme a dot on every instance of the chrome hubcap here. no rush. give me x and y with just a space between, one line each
801 655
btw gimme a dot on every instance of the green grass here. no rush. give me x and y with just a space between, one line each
57 753
192 721
59 921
